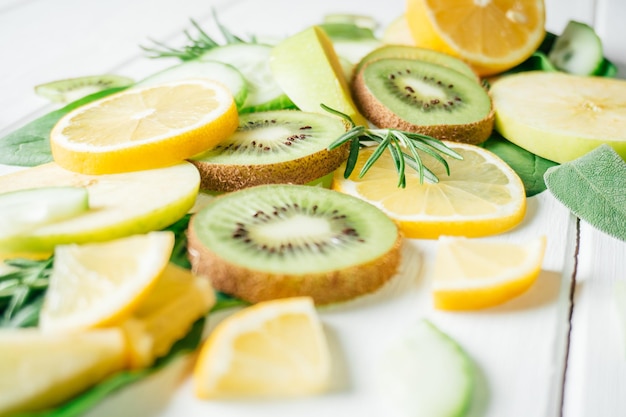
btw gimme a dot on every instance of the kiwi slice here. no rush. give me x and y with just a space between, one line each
424 97
422 54
70 89
273 147
281 240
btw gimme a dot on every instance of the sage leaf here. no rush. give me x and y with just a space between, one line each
530 167
592 187
30 145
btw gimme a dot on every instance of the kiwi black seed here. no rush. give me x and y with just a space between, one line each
72 88
424 97
273 147
280 240
417 53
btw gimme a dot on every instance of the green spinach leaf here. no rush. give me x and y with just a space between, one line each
30 144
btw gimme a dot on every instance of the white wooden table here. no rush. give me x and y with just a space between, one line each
555 351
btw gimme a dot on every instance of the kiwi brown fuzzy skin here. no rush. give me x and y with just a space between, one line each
382 117
232 177
325 287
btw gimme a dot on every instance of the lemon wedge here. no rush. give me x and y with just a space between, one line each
100 284
39 370
176 301
272 349
472 273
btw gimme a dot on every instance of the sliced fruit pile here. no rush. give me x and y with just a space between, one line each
252 123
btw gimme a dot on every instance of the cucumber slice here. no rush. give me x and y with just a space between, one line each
71 89
426 373
252 60
218 71
26 209
578 50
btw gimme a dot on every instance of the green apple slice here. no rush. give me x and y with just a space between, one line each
426 373
119 204
308 70
30 208
560 116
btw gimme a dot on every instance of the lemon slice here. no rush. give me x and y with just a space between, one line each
38 370
272 349
490 35
472 274
99 284
481 196
144 128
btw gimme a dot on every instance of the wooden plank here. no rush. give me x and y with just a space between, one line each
596 374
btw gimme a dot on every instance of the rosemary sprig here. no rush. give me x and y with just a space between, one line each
403 147
197 45
22 290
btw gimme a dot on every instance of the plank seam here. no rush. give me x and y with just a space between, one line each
569 318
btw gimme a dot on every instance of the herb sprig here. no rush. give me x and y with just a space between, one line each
403 147
197 45
22 290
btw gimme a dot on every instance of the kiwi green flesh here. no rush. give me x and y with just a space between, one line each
417 53
425 93
294 229
275 136
274 147
276 241
61 90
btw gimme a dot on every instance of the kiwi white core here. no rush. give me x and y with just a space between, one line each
426 90
292 229
268 134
